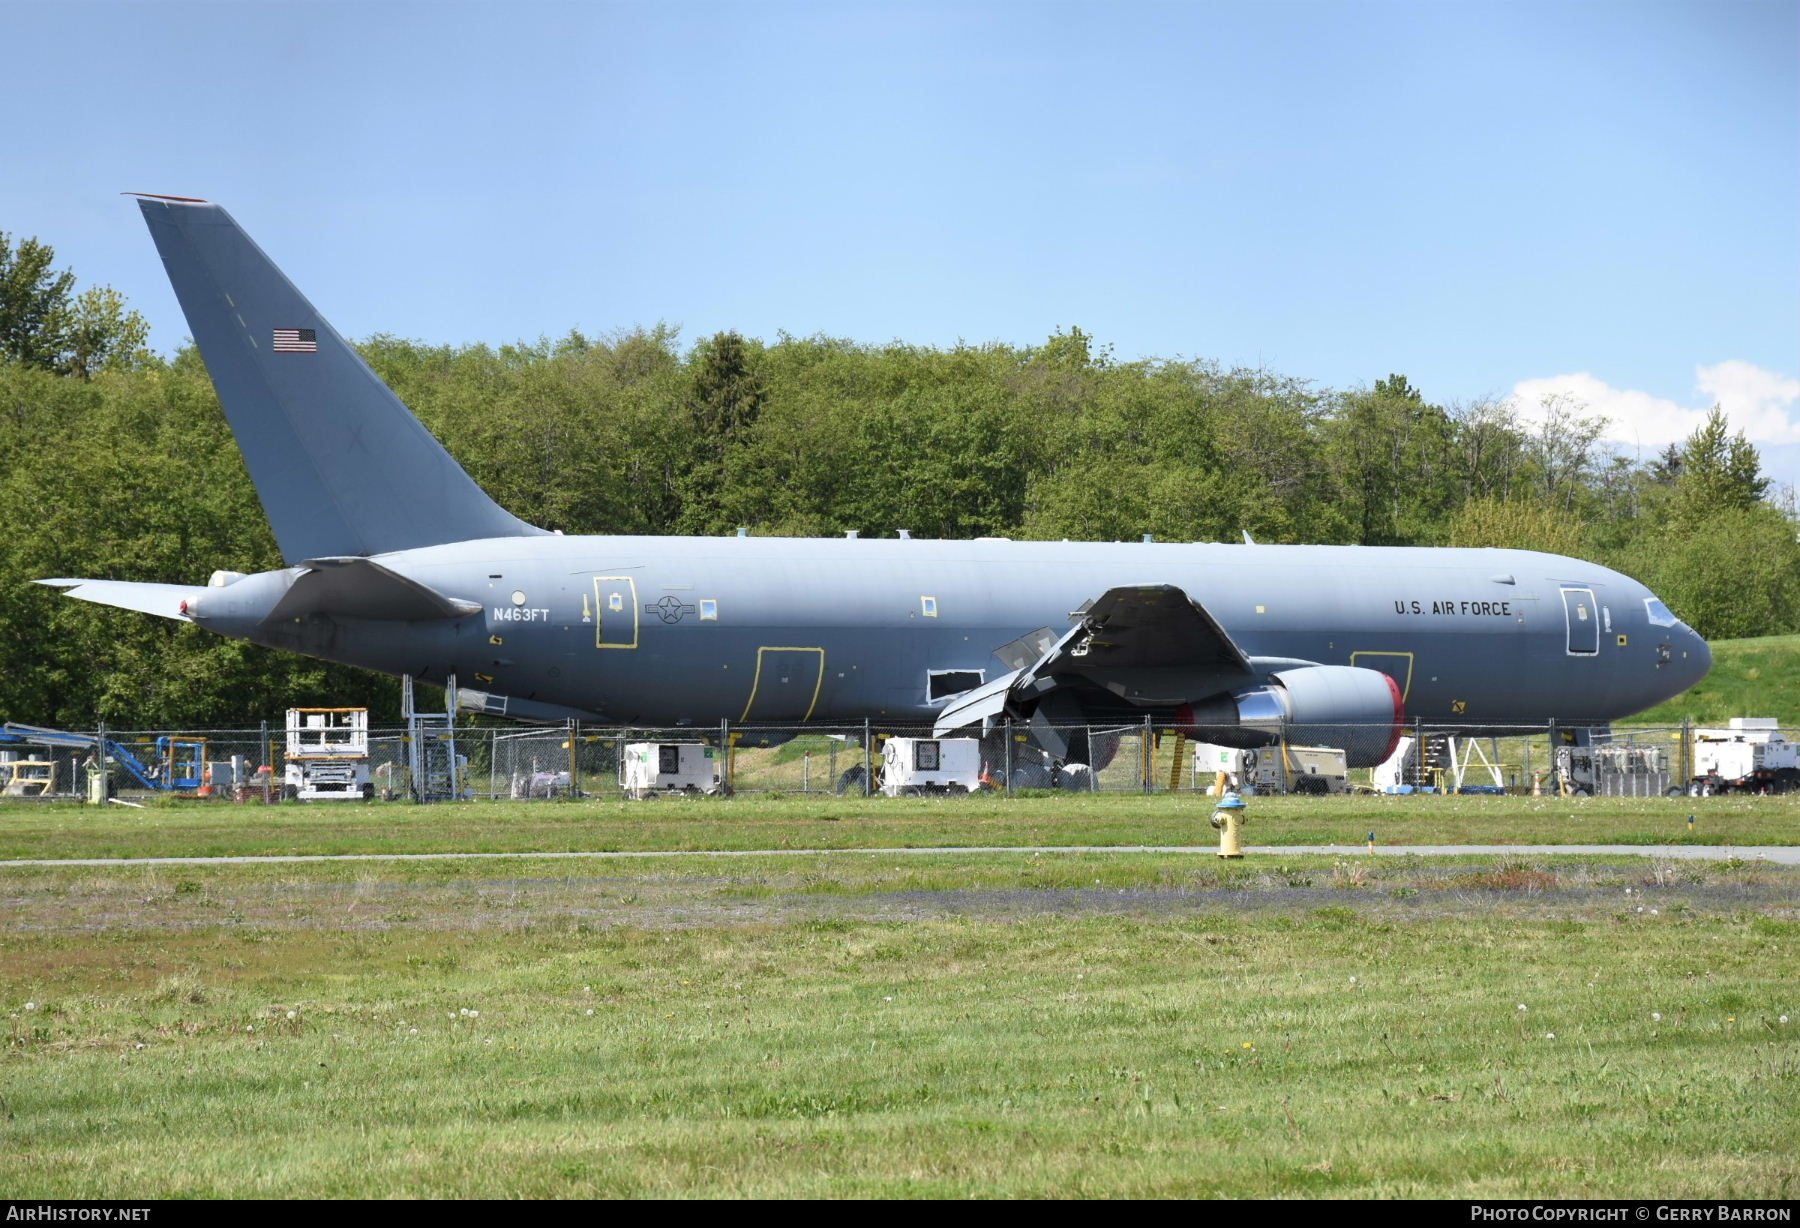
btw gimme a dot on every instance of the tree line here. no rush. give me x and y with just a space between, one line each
118 464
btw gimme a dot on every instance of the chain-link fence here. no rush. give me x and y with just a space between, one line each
576 760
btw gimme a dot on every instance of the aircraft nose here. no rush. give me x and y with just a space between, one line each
1698 660
1682 657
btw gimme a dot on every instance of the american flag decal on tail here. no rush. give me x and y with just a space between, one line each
296 341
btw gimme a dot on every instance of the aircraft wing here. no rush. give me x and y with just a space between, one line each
1145 644
1149 643
163 600
984 703
363 588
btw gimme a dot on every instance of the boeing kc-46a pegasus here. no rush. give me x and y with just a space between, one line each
398 562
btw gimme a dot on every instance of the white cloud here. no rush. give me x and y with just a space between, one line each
1760 403
1765 405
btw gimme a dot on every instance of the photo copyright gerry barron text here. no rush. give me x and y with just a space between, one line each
1651 1212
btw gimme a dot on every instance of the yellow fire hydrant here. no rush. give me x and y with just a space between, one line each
1228 819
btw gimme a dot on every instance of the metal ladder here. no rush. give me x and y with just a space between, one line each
1435 762
431 744
1175 761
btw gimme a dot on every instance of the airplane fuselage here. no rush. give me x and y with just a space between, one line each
672 631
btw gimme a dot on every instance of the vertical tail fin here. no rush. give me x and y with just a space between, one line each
341 466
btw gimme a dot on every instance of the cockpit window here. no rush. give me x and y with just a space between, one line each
1659 614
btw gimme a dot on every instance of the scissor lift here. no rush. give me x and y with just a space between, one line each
327 755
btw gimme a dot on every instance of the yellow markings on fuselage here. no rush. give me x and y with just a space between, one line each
1406 685
756 682
616 612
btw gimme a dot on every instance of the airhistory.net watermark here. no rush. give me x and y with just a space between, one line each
53 1213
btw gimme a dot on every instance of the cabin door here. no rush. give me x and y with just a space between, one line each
1583 615
785 686
614 613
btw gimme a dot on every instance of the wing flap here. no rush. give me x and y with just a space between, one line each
983 704
1149 627
1145 645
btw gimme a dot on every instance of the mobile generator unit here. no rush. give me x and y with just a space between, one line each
1273 769
1751 756
930 765
647 769
327 755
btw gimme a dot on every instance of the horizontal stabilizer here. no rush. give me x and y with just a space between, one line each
162 600
361 588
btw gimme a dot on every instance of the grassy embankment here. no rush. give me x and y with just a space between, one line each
1061 1025
1755 677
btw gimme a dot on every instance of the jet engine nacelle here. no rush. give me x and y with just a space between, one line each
1359 710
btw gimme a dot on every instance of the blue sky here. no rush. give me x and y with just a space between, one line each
1595 199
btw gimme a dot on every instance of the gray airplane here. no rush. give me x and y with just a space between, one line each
399 563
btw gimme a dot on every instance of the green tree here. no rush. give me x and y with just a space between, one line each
725 397
1713 548
33 299
580 434
1561 449
1732 574
43 324
1716 472
102 333
1072 351
1516 524
1396 463
1490 449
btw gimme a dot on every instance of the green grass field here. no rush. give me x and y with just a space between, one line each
1074 1025
1099 1024
1756 677
169 828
